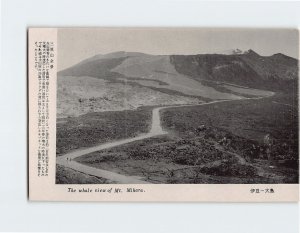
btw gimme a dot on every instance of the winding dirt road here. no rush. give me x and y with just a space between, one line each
67 160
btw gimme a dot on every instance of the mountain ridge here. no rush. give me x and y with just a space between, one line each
277 72
126 80
119 54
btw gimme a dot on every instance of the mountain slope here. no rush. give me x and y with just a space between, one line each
80 95
94 68
276 72
103 82
152 71
159 68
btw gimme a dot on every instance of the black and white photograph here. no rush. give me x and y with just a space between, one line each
177 106
149 116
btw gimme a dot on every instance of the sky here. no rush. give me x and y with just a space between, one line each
77 44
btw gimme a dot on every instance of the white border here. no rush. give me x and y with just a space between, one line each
16 213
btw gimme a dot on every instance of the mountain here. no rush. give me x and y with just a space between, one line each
104 82
277 72
245 68
152 71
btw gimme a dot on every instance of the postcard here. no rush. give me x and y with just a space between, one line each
163 114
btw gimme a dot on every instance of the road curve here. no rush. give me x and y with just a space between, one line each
67 160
